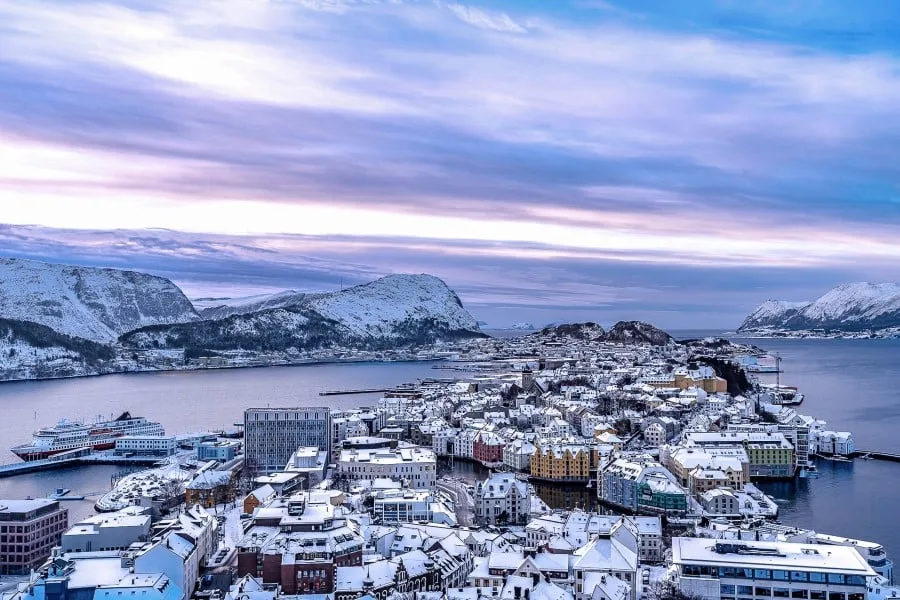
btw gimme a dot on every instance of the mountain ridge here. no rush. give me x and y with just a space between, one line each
848 307
395 310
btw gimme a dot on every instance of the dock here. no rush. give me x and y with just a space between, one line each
360 391
876 455
73 458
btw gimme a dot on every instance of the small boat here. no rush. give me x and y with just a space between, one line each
63 494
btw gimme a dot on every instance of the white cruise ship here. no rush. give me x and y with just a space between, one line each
68 435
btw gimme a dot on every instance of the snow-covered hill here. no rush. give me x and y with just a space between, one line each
393 311
86 302
219 308
848 307
637 332
388 306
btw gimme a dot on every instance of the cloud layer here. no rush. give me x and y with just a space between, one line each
570 158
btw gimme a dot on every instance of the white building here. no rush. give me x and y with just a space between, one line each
517 454
409 506
310 462
615 556
415 465
146 445
108 531
502 498
721 570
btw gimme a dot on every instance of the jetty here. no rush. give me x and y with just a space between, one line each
359 391
876 455
73 458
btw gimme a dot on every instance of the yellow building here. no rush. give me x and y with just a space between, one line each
564 462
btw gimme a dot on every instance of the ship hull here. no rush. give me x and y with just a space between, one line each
32 453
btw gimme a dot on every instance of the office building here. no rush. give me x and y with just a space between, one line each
29 529
272 435
719 570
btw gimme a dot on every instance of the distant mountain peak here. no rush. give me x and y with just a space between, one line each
846 307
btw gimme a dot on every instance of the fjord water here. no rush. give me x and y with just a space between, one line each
852 384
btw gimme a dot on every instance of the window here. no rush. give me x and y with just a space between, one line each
781 593
816 595
763 591
799 576
780 575
836 578
745 590
726 590
762 574
817 577
803 594
836 596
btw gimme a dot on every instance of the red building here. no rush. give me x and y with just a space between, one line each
488 448
297 542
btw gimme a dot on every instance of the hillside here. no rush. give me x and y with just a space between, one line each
637 332
623 332
393 311
86 302
28 350
851 307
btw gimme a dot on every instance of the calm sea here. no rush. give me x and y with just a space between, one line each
852 384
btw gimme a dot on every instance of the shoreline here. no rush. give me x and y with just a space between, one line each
305 363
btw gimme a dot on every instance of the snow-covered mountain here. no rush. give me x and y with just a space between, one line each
388 306
848 307
219 308
392 311
86 302
772 313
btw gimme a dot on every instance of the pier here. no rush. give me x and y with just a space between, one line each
74 458
876 455
350 392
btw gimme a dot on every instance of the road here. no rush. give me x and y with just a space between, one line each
464 504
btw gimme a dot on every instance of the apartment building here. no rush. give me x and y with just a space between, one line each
415 465
563 462
641 485
502 498
298 542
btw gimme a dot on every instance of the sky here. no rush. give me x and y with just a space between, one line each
551 160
